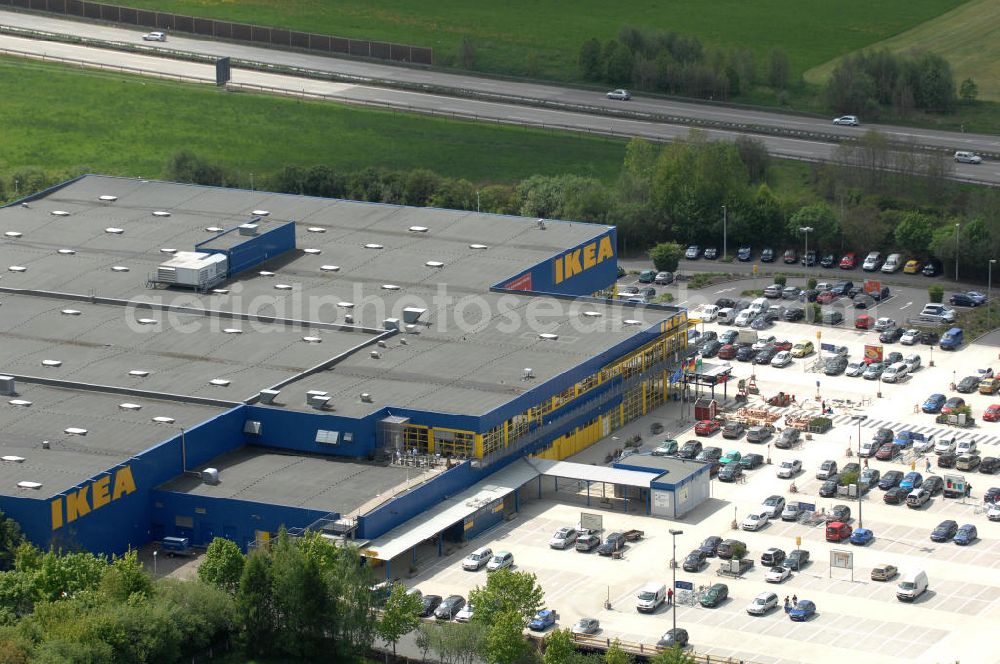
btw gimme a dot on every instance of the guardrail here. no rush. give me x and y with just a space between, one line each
645 649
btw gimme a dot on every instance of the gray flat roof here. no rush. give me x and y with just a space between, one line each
113 434
458 361
590 473
674 467
321 483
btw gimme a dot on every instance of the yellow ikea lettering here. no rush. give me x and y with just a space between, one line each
576 261
92 496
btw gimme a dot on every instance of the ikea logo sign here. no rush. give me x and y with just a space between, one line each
92 496
579 260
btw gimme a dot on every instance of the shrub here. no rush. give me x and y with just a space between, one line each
811 284
936 293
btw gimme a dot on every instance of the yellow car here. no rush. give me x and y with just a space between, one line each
912 267
802 348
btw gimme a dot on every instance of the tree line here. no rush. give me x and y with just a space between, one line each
678 64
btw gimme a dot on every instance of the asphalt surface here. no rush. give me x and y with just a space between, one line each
988 172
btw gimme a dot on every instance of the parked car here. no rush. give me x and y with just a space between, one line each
762 604
781 359
802 348
789 468
429 604
706 427
502 560
829 488
788 438
664 278
933 403
692 252
916 498
967 385
744 253
933 485
758 434
711 545
695 561
586 626
614 542
726 548
828 260
730 473
478 559
777 574
861 536
892 335
967 462
884 572
755 520
543 620
894 496
751 461
890 479
837 531
675 637
945 531
790 256
715 595
666 448
587 541
793 314
464 614
804 610
827 469
947 460
767 255
967 299
932 268
967 534
450 606
952 404
873 261
564 538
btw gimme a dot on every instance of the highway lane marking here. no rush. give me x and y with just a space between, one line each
905 306
724 290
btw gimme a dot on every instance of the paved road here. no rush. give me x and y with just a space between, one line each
803 149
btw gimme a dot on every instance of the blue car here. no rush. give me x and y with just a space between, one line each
903 439
934 403
745 253
862 536
911 480
804 610
967 534
543 620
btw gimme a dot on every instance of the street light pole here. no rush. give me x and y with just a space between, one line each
806 230
860 419
957 227
673 565
724 229
989 296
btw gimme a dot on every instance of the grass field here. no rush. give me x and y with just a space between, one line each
60 119
542 38
968 36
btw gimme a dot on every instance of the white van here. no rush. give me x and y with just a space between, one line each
726 315
965 157
477 559
911 586
894 263
759 305
895 373
745 317
650 597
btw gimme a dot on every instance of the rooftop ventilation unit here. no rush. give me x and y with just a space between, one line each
146 321
435 264
46 445
345 305
403 341
381 344
220 291
266 273
66 252
107 199
541 224
161 213
349 319
75 431
312 252
548 336
478 246
70 312
52 363
129 406
10 458
418 229
8 386
219 382
268 396
372 245
321 393
366 397
412 314
194 269
592 314
631 321
111 230
20 403
232 330
13 234
252 427
59 213
161 419
210 476
29 485
312 340
248 229
119 268
375 355
261 213
390 287
412 329
528 374
214 229
318 402
330 268
283 287
391 324
17 268
168 250
316 229
138 373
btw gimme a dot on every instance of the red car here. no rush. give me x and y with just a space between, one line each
864 322
706 427
784 344
886 452
992 413
826 297
837 531
791 256
848 262
727 352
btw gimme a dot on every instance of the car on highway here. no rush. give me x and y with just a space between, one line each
862 536
754 521
952 404
966 534
695 561
762 604
966 157
564 538
715 595
619 95
789 468
675 637
992 413
967 299
449 607
945 531
692 252
847 120
543 620
586 626
155 36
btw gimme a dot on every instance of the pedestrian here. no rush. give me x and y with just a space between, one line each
968 490
787 606
670 596
823 407
928 470
795 600
866 464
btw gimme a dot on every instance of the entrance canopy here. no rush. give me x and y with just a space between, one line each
450 511
581 471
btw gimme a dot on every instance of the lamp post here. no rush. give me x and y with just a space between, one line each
989 295
860 419
673 565
154 563
806 230
957 227
724 229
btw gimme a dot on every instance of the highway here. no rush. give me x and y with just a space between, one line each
518 111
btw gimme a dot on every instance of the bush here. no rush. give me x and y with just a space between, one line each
847 479
811 284
781 280
739 550
666 256
936 293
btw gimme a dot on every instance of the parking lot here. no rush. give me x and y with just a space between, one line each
948 623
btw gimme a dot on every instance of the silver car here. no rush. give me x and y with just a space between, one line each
847 120
762 603
620 95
